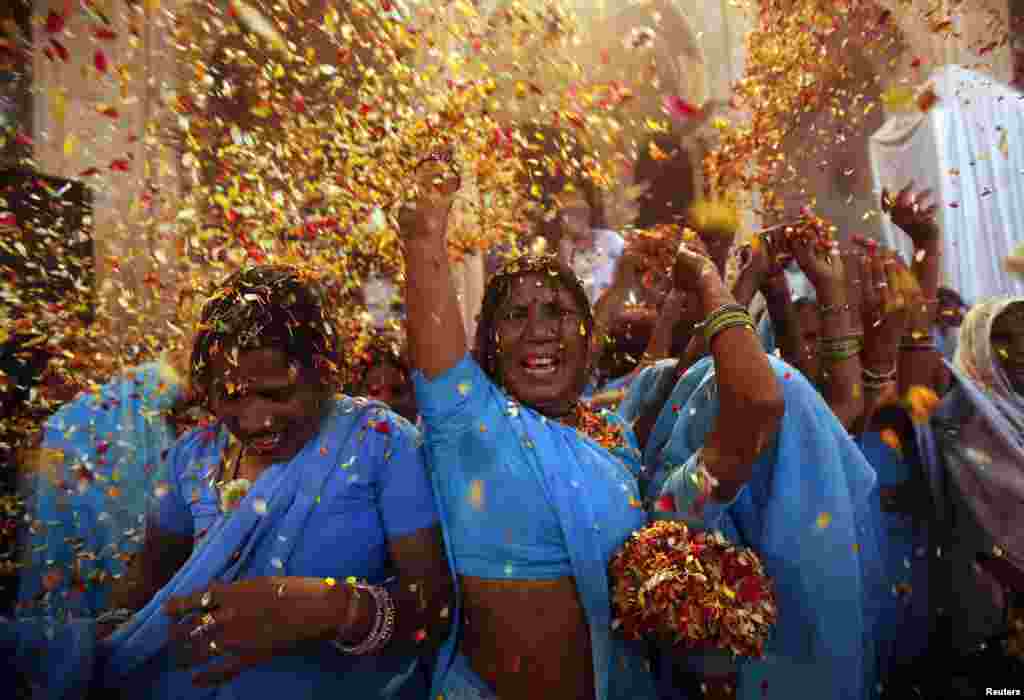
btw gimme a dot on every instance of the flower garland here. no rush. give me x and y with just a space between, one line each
697 590
598 428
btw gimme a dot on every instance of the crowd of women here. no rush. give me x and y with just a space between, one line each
312 542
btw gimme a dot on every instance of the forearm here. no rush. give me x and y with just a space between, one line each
748 395
437 336
918 360
422 616
842 376
927 266
783 319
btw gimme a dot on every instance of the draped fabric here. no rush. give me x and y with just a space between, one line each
903 633
523 497
291 514
965 151
808 511
988 467
88 505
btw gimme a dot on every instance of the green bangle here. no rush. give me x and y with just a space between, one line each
840 355
734 323
720 322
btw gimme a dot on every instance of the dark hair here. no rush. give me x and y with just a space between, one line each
268 306
950 296
553 148
498 289
624 347
381 349
674 174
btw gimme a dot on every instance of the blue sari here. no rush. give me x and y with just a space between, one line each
903 631
329 511
89 511
523 497
806 511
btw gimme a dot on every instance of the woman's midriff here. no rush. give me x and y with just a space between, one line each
528 639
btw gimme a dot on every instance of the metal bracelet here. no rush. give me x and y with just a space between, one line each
383 624
879 376
834 309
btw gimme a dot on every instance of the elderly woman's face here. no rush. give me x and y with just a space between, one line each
1008 344
273 406
543 343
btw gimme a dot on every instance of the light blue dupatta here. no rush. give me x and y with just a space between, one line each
91 510
225 554
807 513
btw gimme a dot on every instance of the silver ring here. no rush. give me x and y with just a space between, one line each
206 601
882 285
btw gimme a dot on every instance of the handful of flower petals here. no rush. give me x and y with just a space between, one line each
695 589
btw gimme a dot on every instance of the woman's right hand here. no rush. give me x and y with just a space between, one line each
693 265
884 306
436 182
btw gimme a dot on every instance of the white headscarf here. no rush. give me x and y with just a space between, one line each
991 473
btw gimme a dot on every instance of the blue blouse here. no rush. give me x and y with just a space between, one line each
524 497
364 480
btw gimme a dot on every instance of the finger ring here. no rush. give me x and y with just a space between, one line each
214 648
206 601
882 285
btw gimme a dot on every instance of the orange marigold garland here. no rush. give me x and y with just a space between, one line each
694 588
598 428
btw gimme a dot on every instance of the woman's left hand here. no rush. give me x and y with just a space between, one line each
250 622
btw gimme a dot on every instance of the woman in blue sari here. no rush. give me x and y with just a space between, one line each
537 492
98 462
295 549
802 501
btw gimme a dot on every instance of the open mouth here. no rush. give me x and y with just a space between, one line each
265 444
540 365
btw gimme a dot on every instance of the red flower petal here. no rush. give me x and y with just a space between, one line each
382 427
61 50
666 503
99 60
104 34
678 108
54 22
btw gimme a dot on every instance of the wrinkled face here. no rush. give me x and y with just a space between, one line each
272 406
808 359
388 384
1008 344
543 344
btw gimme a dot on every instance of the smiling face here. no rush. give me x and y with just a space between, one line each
542 338
273 406
1008 344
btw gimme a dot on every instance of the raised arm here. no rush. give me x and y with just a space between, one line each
840 347
884 317
437 336
756 263
748 393
920 363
